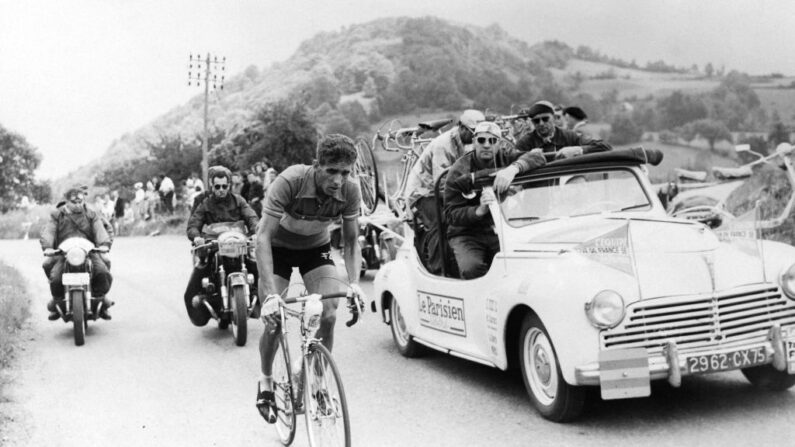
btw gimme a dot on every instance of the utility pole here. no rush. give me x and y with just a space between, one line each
206 71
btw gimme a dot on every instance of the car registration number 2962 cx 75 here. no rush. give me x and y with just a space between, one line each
703 364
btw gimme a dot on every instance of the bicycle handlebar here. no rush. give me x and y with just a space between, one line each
353 306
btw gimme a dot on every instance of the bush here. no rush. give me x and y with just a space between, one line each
16 224
15 302
624 131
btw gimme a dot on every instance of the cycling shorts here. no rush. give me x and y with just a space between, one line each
284 259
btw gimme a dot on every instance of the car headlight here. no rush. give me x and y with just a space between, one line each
606 309
76 257
788 282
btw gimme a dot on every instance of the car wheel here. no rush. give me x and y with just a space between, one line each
768 378
405 342
554 399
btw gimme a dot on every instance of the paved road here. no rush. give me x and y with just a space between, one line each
150 378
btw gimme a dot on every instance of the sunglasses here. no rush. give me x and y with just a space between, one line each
482 140
543 119
224 186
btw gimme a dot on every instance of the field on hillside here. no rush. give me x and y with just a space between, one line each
779 99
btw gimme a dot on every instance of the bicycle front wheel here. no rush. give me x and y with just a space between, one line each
366 172
327 421
283 387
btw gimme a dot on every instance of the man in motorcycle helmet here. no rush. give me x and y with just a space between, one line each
74 219
220 206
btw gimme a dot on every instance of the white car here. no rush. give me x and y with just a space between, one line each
595 285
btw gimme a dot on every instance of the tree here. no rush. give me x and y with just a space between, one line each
679 109
18 161
709 70
623 130
287 135
778 133
711 130
354 112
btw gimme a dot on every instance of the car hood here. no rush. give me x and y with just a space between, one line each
665 256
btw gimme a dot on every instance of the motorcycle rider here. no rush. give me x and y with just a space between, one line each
74 219
221 206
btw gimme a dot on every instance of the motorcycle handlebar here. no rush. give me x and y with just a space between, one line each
58 251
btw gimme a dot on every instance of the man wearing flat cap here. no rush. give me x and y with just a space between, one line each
466 211
556 140
577 120
74 219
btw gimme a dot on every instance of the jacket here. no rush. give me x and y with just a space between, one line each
64 224
213 210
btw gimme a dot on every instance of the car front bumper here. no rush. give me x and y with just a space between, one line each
670 363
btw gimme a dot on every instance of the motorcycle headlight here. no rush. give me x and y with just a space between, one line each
76 257
788 282
606 309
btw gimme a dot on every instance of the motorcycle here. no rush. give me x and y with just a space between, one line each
78 305
376 245
228 291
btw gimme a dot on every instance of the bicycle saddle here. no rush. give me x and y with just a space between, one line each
434 125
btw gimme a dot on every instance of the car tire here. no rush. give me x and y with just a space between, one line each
768 378
405 343
554 399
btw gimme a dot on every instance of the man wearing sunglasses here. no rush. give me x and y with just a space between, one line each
469 224
221 205
551 139
303 201
437 156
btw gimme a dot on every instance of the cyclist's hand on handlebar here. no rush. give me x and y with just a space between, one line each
49 251
198 240
270 308
355 291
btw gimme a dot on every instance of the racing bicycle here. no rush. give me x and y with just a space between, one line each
315 388
411 141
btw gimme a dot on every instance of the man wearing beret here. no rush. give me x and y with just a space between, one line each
552 139
74 219
466 211
577 121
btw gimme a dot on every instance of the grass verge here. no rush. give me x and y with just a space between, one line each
15 305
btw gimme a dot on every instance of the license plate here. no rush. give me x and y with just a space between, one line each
788 334
232 250
743 358
75 279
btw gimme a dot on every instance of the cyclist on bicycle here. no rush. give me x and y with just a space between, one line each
302 202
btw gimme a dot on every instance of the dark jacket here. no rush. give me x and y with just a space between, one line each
459 212
560 139
213 210
63 225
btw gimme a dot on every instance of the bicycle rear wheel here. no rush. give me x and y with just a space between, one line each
366 172
326 409
283 393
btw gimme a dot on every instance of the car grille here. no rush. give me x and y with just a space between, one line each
722 318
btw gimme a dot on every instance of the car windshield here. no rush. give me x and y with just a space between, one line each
574 194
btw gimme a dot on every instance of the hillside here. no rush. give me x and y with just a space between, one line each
399 66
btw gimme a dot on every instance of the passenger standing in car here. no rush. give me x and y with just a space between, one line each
466 211
556 140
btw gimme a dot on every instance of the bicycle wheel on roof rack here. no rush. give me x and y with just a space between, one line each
366 172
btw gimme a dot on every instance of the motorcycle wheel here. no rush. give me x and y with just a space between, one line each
239 305
77 298
367 174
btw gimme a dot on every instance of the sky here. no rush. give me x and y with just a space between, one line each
77 74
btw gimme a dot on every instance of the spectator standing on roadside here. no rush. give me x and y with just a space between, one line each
151 200
167 189
193 182
237 184
255 193
118 210
139 201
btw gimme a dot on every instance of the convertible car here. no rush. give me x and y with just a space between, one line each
595 285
